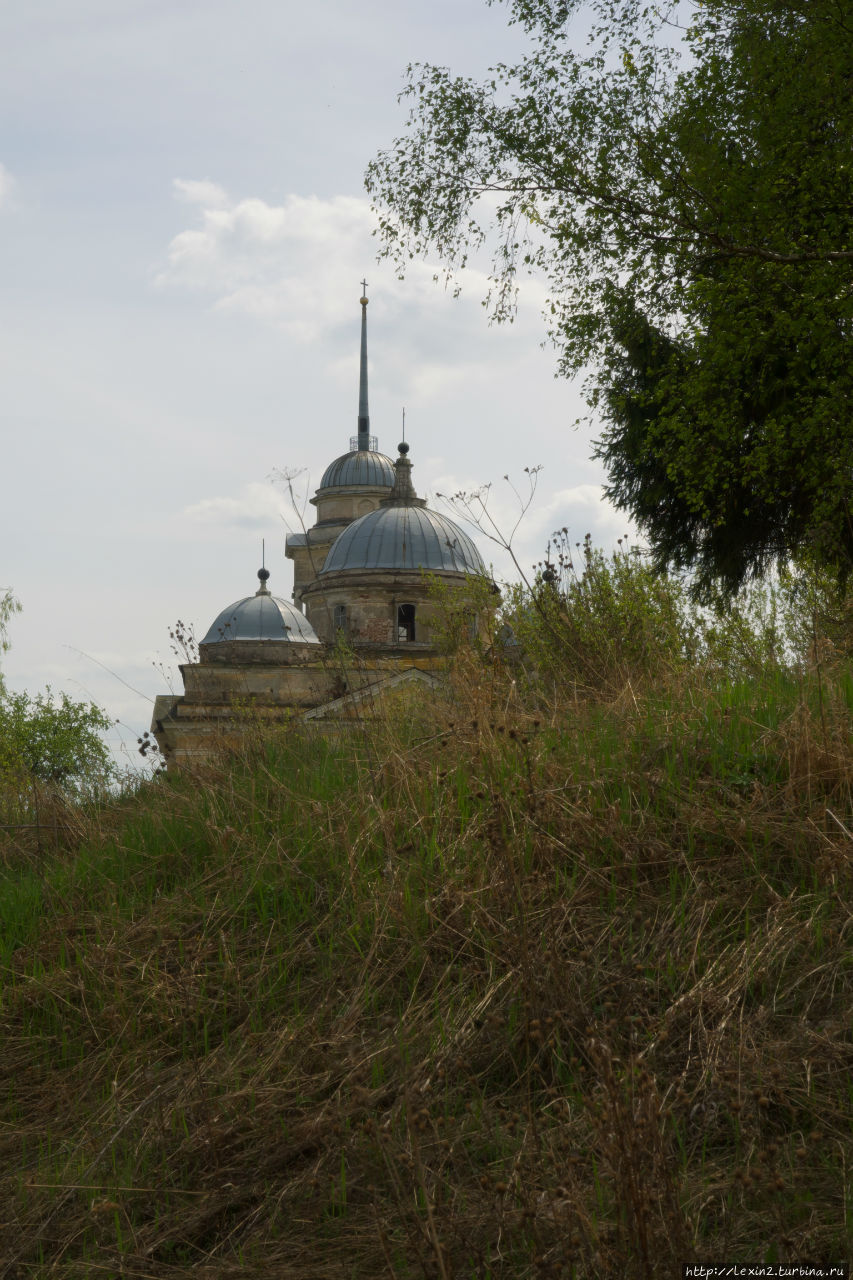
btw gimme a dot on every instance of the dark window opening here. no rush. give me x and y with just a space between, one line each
405 623
340 616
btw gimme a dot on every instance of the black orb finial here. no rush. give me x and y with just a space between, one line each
263 574
403 447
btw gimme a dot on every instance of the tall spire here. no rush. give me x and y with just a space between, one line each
363 412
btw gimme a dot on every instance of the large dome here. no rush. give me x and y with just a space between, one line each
261 617
360 467
403 537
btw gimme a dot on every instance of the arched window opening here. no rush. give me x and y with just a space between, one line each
405 623
340 618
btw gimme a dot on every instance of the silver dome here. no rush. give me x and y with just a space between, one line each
360 467
261 617
403 537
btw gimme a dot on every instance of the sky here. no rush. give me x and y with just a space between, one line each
183 230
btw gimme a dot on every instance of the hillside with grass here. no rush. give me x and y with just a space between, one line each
547 975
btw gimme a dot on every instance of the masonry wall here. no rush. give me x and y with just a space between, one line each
371 600
222 699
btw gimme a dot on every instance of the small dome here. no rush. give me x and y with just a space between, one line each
403 537
261 617
360 467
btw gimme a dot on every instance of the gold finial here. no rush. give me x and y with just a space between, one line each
364 298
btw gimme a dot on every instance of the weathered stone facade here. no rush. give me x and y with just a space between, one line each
382 607
226 694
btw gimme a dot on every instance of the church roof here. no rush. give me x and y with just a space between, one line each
359 467
403 538
261 617
403 534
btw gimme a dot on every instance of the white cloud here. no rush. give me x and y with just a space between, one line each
280 263
581 509
252 508
204 192
285 264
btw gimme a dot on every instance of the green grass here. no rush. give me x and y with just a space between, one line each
520 992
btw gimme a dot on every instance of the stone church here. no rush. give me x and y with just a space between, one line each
372 578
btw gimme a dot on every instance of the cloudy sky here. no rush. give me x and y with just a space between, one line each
183 229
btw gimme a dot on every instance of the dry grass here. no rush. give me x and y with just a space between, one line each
499 990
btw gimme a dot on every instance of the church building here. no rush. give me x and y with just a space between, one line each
372 578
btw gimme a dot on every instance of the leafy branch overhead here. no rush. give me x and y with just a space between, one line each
684 186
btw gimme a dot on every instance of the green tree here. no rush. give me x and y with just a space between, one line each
56 740
687 191
53 740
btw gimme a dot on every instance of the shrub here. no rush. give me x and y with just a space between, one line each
55 740
595 622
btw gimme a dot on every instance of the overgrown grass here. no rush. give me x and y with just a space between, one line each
500 988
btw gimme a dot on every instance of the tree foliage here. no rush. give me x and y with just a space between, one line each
593 623
685 185
9 606
51 739
55 740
